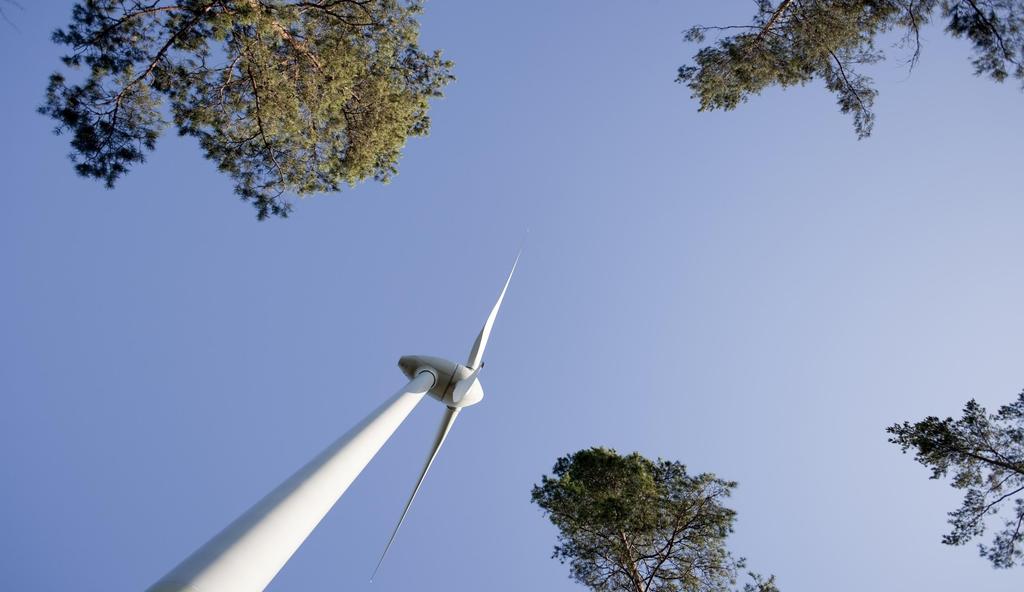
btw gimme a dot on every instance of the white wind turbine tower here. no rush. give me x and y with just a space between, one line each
248 553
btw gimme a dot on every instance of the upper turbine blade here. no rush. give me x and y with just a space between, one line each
476 355
442 433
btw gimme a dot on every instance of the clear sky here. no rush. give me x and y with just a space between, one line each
753 293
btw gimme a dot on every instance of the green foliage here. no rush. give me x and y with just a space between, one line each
285 96
627 523
796 41
985 454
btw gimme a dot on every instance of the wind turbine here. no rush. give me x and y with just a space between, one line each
249 552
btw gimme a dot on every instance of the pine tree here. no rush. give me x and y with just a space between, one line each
630 524
985 454
284 96
796 41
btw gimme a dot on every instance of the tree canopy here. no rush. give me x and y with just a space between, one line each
985 455
284 96
630 524
796 41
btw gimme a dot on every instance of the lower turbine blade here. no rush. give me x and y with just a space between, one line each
442 433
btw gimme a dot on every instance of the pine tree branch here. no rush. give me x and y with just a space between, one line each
774 17
634 574
1007 54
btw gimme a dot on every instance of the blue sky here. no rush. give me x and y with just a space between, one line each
754 293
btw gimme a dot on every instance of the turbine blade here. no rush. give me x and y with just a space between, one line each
442 433
476 355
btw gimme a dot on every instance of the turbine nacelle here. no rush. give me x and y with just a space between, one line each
455 385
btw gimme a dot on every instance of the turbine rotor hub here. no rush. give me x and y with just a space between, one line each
447 376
